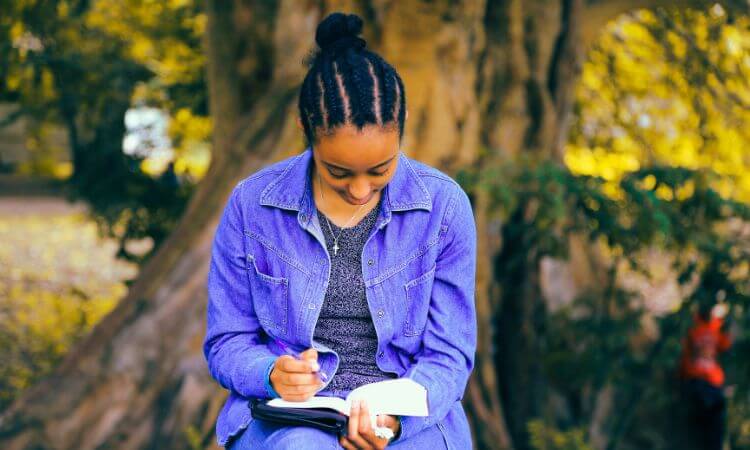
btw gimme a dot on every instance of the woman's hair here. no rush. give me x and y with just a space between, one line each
704 309
347 84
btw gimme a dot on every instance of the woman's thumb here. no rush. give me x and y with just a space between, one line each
310 354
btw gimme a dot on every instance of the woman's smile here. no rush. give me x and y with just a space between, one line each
357 202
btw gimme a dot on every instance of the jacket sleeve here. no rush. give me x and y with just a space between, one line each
236 357
445 363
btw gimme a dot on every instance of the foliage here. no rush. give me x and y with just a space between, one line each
667 88
657 159
598 339
57 279
544 437
81 65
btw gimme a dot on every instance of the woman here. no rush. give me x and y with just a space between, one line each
703 376
359 258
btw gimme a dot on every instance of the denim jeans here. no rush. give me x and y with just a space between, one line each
261 435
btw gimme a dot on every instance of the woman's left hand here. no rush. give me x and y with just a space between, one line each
360 435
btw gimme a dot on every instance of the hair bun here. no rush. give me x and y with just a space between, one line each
338 31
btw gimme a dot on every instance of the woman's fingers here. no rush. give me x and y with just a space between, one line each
298 388
289 363
310 354
353 426
359 432
346 443
296 392
296 397
299 379
365 427
295 379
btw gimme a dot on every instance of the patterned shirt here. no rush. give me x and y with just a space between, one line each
345 323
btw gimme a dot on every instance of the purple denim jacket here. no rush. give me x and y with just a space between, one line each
270 268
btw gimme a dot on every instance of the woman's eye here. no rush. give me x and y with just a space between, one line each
344 175
338 175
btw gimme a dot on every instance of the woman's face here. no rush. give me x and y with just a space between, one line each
357 164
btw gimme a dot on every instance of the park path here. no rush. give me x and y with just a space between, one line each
42 205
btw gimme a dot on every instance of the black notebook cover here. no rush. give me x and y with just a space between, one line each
323 418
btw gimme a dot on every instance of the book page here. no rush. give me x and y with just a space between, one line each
401 397
336 403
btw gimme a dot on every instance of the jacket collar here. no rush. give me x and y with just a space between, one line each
292 189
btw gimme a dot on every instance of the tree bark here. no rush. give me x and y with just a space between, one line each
485 81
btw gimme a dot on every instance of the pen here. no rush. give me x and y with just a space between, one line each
289 351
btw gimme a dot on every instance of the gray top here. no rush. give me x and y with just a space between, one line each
345 324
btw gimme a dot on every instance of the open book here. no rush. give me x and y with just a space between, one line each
399 397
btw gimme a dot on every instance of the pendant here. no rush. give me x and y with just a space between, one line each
335 248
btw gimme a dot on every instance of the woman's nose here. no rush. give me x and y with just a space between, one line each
359 189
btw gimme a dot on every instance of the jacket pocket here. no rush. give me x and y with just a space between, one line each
418 295
269 296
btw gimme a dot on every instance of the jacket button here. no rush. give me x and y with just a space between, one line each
381 354
381 313
303 217
370 262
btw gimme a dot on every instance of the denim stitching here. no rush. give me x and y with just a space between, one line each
425 277
267 244
276 281
272 185
391 271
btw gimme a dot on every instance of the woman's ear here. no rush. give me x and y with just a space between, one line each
406 116
299 123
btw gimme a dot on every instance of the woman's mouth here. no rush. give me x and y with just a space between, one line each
354 201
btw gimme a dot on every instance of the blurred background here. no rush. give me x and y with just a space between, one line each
605 146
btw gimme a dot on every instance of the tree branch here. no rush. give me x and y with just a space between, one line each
11 118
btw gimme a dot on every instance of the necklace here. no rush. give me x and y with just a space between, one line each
336 238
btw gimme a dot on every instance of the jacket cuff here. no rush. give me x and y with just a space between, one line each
438 403
251 381
410 425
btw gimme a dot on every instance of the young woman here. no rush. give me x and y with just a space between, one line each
355 256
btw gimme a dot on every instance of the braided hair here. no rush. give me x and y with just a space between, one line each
347 84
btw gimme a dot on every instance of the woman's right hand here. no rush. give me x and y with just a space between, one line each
296 380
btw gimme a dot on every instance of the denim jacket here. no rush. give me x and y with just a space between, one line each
270 268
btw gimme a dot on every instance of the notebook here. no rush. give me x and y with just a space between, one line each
398 397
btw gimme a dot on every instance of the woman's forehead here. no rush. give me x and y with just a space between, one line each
355 149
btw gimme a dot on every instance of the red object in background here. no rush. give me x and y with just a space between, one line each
704 341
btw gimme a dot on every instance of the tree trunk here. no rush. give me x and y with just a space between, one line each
495 75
